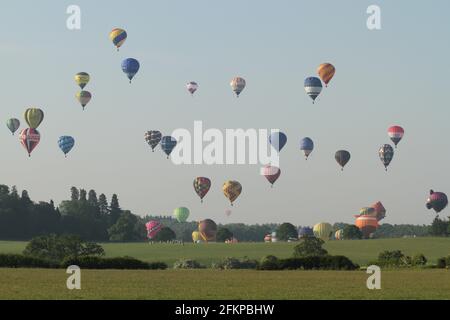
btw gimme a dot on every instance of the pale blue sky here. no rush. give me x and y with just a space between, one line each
398 75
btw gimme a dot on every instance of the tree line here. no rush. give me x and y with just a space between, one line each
92 217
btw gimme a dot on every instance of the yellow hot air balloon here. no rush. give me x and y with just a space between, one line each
323 230
196 236
33 117
232 190
82 79
326 72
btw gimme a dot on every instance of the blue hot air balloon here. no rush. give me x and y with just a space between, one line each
305 232
313 87
307 146
66 144
130 67
168 144
278 140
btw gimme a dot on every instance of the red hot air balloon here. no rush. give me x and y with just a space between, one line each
396 134
30 139
271 173
153 228
202 186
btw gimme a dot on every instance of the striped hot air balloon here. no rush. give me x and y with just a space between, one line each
339 235
82 79
34 117
396 134
323 230
208 230
118 37
29 138
313 87
271 173
326 72
367 225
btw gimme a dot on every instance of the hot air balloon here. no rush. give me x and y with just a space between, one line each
30 139
237 84
305 232
271 173
181 214
307 146
34 117
396 134
202 186
192 86
437 201
313 87
367 225
82 79
232 190
118 37
66 144
196 237
342 157
323 231
278 140
367 211
13 124
386 154
326 72
208 230
153 138
83 98
153 228
130 67
268 238
339 235
380 211
168 144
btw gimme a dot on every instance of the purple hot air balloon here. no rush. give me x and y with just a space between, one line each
437 201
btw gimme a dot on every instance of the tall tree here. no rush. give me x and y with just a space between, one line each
114 209
83 195
92 198
14 193
74 194
103 204
25 198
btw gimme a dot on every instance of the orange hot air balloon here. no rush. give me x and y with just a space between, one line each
326 72
367 225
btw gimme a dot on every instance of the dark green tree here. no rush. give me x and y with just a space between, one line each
352 232
310 246
127 228
103 204
25 198
223 234
114 209
74 194
83 195
439 227
14 193
286 231
92 198
166 234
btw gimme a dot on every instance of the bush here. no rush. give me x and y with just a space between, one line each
310 246
269 263
447 261
21 261
441 263
234 263
187 264
121 263
419 260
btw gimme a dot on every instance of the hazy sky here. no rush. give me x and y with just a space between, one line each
397 75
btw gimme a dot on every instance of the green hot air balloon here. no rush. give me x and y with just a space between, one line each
323 231
181 214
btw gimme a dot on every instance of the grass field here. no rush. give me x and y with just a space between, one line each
360 251
231 284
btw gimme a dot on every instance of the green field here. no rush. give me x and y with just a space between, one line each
231 284
360 251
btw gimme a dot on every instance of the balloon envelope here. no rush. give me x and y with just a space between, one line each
34 117
232 190
278 140
13 124
66 143
153 228
192 86
304 232
339 235
386 153
342 157
237 84
307 146
130 67
396 134
380 211
326 72
29 138
118 37
323 230
153 138
83 98
367 225
208 230
168 144
202 186
271 173
313 87
437 201
82 79
181 214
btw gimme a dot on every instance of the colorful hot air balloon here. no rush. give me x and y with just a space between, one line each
323 231
82 79
396 134
271 173
153 138
153 228
278 140
232 190
168 144
66 144
268 238
386 154
181 214
437 201
130 67
13 124
237 84
339 235
208 230
367 211
192 86
342 157
313 87
367 225
202 186
326 72
305 232
83 98
118 37
307 146
30 139
196 237
34 117
380 211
